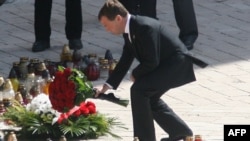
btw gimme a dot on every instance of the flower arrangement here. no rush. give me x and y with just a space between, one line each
65 111
69 88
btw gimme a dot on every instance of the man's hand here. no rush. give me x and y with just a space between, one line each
105 87
97 92
132 78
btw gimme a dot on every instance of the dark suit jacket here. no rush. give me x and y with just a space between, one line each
155 48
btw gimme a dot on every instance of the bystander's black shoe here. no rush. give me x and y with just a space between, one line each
75 44
190 47
40 46
2 2
189 41
189 44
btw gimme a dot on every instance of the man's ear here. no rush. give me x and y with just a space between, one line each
118 18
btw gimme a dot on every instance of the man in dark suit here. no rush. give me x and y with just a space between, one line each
73 27
163 64
184 15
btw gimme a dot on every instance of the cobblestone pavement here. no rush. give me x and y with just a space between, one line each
221 94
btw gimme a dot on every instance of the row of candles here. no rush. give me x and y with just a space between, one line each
29 77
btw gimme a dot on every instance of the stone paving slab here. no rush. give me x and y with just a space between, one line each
221 94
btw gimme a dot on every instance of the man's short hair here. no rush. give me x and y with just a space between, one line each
111 9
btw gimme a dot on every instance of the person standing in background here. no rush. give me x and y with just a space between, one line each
73 27
2 2
184 15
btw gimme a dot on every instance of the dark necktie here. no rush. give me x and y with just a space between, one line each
126 35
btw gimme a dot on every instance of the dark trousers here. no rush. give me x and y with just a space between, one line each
148 106
73 27
184 15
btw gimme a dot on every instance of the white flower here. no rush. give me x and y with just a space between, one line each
41 105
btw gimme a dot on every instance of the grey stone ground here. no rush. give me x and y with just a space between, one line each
221 94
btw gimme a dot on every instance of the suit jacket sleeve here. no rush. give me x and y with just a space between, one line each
121 68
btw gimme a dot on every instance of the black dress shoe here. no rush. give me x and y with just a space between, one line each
75 44
169 139
176 138
165 139
40 46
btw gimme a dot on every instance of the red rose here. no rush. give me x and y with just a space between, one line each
71 85
90 103
67 72
92 109
59 74
91 106
77 113
84 109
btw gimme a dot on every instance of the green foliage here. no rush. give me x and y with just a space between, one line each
87 127
91 126
84 88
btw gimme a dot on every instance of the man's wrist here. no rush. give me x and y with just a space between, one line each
108 85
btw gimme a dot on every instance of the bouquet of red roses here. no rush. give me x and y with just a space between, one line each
69 88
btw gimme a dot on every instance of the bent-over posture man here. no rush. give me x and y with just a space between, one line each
164 64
